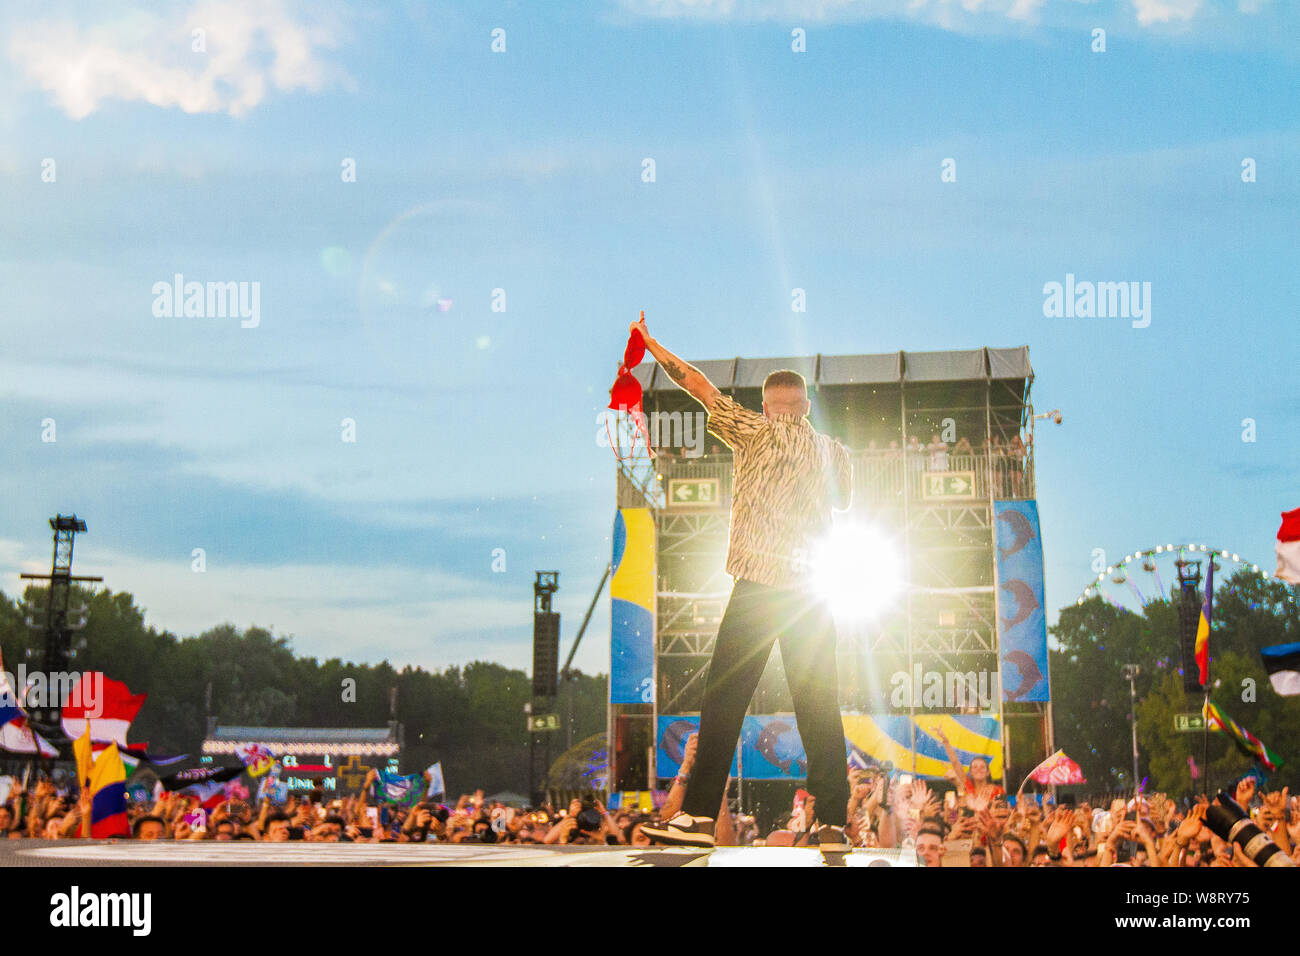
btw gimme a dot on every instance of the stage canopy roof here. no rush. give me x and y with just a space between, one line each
889 368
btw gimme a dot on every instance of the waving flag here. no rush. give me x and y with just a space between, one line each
83 753
1282 661
184 779
1246 742
135 754
1288 547
107 704
108 796
398 788
256 758
436 784
16 735
207 784
1203 629
1056 770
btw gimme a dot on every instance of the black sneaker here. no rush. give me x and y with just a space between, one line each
683 830
832 840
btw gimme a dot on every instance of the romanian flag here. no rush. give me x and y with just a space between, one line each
1246 742
108 796
1203 629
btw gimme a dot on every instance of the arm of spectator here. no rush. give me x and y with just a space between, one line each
1147 838
1275 814
953 758
677 792
85 803
724 832
560 832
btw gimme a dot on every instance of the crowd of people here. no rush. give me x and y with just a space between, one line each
974 823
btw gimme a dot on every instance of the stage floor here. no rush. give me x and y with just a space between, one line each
81 853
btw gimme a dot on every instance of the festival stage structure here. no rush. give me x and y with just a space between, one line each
961 647
329 758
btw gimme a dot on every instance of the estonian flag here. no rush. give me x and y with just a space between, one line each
1282 661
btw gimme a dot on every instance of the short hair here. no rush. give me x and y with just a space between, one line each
138 825
931 830
785 378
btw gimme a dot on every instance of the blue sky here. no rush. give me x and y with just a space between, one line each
521 171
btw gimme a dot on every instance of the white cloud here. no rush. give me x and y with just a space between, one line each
1165 11
251 48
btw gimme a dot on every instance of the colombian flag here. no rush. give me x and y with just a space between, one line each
1246 742
1203 629
108 796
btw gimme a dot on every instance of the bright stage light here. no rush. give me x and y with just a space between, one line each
858 569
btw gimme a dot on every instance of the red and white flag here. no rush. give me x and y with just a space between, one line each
107 704
1288 547
1057 770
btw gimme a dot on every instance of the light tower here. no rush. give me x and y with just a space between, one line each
46 717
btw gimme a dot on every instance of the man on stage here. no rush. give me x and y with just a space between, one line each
787 480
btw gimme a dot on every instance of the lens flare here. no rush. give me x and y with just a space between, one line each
859 570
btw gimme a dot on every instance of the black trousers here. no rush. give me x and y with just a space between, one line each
756 617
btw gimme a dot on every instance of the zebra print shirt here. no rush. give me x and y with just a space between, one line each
788 477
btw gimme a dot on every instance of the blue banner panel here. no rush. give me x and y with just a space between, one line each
1022 623
770 748
632 621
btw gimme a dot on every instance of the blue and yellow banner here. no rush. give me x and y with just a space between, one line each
632 594
1022 623
770 747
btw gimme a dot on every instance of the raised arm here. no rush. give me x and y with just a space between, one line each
679 370
953 758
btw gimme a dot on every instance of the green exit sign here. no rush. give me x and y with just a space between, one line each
1189 723
948 484
540 723
692 492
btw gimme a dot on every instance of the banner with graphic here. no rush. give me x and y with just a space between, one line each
881 738
1022 623
772 750
632 594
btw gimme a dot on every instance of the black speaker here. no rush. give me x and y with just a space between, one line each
546 652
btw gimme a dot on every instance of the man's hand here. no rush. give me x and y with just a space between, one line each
685 374
639 326
1245 791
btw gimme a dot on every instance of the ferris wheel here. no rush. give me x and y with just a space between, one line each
1150 574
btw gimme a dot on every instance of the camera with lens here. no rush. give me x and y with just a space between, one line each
588 817
1230 822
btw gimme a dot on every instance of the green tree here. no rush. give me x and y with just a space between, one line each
1091 694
